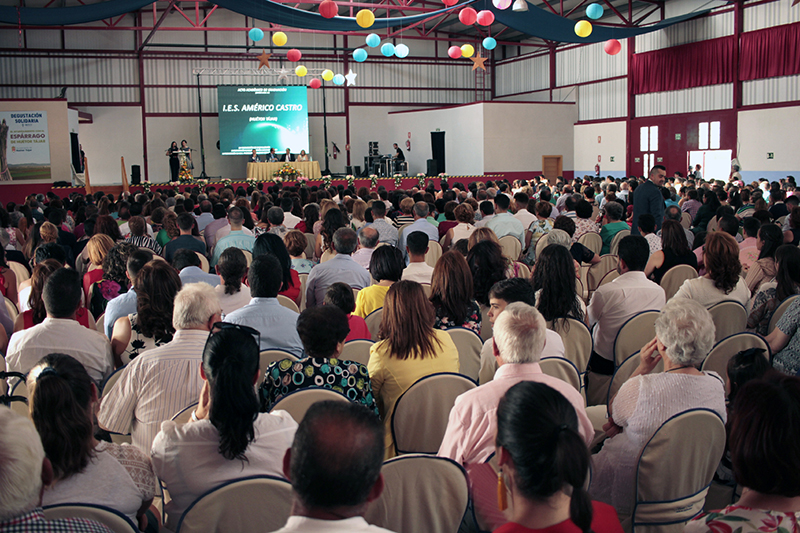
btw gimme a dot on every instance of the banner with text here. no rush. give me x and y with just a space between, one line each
24 146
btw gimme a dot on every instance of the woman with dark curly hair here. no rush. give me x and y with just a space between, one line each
488 266
232 270
769 238
721 281
554 282
115 280
310 217
452 294
169 228
333 220
150 326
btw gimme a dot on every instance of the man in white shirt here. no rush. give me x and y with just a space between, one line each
504 223
334 466
486 208
367 241
289 220
523 215
161 382
519 338
417 270
612 305
61 333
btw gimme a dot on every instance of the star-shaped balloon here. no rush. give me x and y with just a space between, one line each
263 59
351 77
478 62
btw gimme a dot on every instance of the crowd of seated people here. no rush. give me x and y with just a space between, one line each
193 287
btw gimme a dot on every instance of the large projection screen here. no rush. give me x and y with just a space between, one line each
262 118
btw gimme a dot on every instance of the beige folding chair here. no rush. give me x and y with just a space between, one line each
577 340
357 351
541 244
469 347
486 324
674 278
713 224
326 255
729 317
615 241
298 402
185 414
303 285
373 321
623 372
721 353
563 369
267 357
400 232
592 241
779 312
523 271
421 413
20 388
203 262
426 288
686 220
637 331
256 503
111 380
596 272
248 257
433 254
511 247
19 271
311 244
288 303
11 309
111 518
674 471
99 324
421 493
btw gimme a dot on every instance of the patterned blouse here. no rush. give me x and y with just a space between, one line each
744 520
345 377
139 343
763 306
538 229
472 322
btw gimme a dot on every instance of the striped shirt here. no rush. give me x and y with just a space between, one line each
143 241
35 522
154 387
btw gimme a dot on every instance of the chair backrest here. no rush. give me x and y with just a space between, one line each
597 271
779 312
433 254
577 340
111 518
303 285
486 324
311 244
541 244
671 492
592 241
99 324
511 247
615 241
326 255
563 369
248 257
20 271
421 413
11 309
270 356
721 353
373 321
185 414
288 303
713 224
203 262
427 289
623 372
421 493
357 350
400 232
523 271
298 402
256 503
637 331
469 347
729 317
674 278
108 384
20 388
686 220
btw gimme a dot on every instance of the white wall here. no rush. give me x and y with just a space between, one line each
114 132
612 144
768 130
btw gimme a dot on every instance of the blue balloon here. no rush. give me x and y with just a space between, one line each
360 55
387 49
338 79
594 11
256 34
489 43
373 40
401 51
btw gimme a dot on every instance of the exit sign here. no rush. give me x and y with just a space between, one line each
677 136
770 155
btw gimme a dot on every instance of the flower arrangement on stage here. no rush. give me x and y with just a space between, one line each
350 180
302 180
326 180
373 180
146 186
421 180
442 178
200 182
286 172
225 182
398 180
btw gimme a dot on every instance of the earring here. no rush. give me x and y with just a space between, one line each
502 492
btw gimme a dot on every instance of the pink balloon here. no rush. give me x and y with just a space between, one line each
315 83
501 4
468 16
294 55
449 3
454 52
485 17
612 47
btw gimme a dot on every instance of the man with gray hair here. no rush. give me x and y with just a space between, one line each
518 341
673 212
162 381
340 267
420 212
24 472
367 241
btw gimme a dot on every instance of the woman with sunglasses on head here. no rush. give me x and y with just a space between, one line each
227 437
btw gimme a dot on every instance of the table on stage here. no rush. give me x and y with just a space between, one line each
265 171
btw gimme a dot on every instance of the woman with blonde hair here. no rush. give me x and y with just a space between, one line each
97 248
48 232
359 208
410 348
722 280
482 234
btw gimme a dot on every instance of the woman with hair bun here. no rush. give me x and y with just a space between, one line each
227 437
544 464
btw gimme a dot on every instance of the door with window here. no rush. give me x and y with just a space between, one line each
648 145
715 164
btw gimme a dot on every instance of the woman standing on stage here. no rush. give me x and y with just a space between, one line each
174 164
185 157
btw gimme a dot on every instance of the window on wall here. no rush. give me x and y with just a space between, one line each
708 136
648 143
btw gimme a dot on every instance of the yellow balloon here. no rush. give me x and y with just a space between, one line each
327 75
583 28
365 18
301 71
467 50
279 38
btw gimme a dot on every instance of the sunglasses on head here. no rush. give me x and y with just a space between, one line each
221 326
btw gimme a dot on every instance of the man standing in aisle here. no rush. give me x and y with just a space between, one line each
647 198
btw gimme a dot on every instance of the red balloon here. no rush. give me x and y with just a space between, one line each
468 16
328 9
454 52
485 17
612 47
449 3
315 83
293 55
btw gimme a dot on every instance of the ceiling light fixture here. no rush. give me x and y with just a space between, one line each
519 5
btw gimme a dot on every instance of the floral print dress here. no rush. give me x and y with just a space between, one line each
139 343
744 520
472 322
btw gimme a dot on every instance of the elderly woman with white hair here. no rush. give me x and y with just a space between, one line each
684 336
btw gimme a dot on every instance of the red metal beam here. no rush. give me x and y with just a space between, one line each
614 9
545 2
156 26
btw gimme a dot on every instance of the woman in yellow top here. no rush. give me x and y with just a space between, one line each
410 349
386 266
